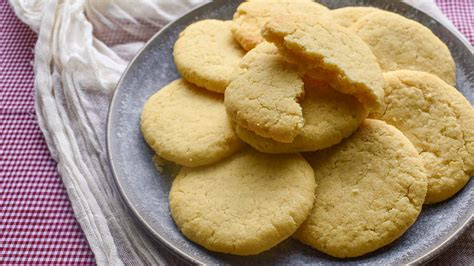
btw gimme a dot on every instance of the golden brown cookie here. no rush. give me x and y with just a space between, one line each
207 55
329 51
439 121
252 15
265 97
245 204
329 117
400 43
188 125
370 190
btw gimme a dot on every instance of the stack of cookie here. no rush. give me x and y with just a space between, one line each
331 126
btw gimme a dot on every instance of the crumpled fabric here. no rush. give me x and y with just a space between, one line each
82 50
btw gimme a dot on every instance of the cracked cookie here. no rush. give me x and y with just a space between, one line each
188 125
327 50
439 122
329 116
265 97
244 204
252 15
370 190
400 43
207 55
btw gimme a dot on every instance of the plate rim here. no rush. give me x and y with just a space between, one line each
426 257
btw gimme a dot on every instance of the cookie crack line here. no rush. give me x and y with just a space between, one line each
294 47
346 228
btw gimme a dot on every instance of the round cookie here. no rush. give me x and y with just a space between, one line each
251 16
207 55
400 43
245 204
371 188
265 96
329 117
347 16
327 50
188 125
439 122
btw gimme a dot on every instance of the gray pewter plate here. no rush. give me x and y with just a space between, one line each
145 190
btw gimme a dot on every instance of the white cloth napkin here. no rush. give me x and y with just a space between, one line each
83 47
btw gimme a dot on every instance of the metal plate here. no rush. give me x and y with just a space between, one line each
145 190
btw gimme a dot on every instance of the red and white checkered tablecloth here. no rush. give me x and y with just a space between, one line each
461 13
37 224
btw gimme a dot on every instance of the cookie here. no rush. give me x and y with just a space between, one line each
265 97
207 55
245 204
371 188
329 117
251 16
327 50
400 43
347 16
439 121
252 57
188 125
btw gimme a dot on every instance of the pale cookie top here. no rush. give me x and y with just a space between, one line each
188 125
251 16
265 97
207 55
370 190
245 204
325 49
329 117
439 121
400 43
347 16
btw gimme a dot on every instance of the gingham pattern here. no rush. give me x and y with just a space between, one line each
461 13
37 225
